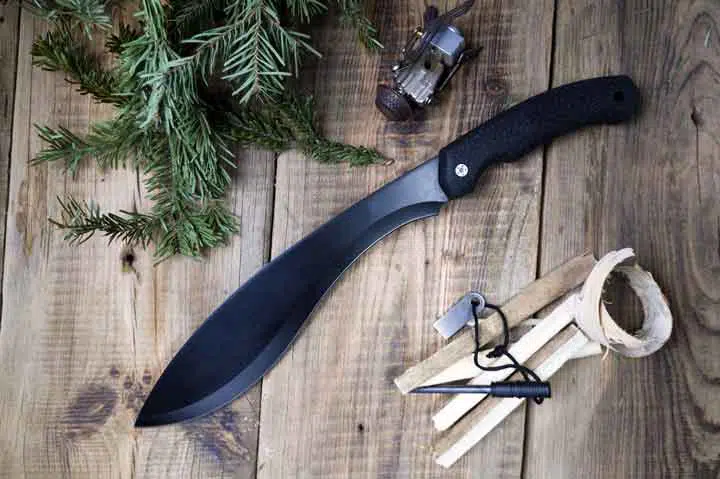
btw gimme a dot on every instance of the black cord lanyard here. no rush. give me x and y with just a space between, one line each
500 349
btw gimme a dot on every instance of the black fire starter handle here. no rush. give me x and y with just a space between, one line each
508 389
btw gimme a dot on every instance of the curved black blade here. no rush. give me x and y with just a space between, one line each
244 337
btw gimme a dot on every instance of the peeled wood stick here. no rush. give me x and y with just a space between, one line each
466 369
590 349
528 345
484 418
463 369
529 300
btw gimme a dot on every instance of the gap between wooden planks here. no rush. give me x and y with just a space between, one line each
9 31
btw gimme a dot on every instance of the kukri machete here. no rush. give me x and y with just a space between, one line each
247 334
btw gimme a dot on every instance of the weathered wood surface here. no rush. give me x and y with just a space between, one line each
652 185
83 334
9 29
86 330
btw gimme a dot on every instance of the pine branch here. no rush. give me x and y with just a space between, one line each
187 18
257 128
352 14
152 71
111 143
195 229
87 14
254 50
299 117
188 231
297 112
304 10
64 146
115 41
168 122
178 222
201 156
328 151
82 220
290 122
58 50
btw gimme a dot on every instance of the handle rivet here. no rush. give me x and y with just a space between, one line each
461 170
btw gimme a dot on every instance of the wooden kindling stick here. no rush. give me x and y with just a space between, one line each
481 420
465 368
528 301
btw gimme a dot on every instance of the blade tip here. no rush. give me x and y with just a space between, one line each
145 419
141 421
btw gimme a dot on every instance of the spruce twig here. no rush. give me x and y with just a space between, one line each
352 14
189 18
82 220
290 123
298 114
328 151
125 34
112 143
305 10
86 14
60 50
258 52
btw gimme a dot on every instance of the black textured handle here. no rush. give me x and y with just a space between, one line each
520 389
534 122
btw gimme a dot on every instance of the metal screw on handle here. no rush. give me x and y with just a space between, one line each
461 170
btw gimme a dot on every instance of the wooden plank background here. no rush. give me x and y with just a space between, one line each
84 332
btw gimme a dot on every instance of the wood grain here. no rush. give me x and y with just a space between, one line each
654 186
330 408
86 330
65 312
9 30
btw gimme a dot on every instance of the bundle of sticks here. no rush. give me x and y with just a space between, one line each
578 326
